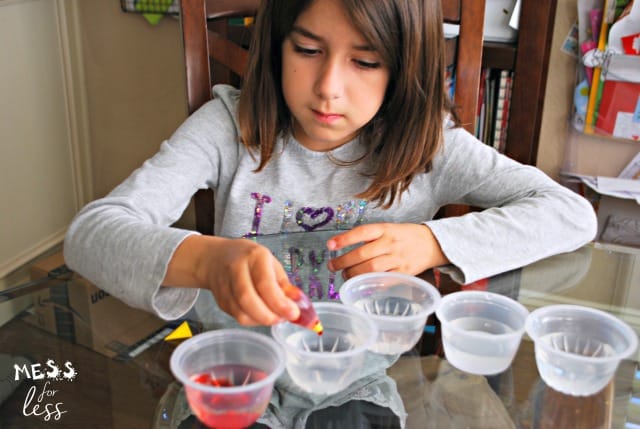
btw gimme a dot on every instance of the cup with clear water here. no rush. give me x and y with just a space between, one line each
399 304
481 331
327 363
578 348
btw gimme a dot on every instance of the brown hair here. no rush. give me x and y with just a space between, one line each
408 36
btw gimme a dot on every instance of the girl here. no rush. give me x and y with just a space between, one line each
343 123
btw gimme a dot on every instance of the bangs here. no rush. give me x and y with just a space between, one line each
378 22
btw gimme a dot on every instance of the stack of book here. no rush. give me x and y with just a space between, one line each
492 121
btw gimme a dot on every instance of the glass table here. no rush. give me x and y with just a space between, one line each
140 391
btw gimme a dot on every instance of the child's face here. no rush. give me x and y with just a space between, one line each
333 83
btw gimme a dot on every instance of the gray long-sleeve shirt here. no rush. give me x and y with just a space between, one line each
124 241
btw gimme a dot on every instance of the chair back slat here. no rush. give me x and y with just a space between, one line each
225 51
451 11
469 61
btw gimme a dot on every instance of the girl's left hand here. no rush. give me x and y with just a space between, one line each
403 248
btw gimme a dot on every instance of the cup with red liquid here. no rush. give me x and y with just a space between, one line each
228 375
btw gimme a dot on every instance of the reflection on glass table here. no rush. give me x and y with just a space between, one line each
140 391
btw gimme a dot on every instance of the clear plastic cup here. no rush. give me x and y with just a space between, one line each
228 375
325 364
399 304
481 331
577 348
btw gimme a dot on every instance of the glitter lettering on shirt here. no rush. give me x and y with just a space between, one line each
257 212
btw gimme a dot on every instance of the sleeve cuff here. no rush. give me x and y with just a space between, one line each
170 303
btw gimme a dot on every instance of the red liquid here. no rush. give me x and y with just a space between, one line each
232 410
308 316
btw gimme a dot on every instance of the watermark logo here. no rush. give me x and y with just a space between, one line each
42 402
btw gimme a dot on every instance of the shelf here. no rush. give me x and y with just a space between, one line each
499 55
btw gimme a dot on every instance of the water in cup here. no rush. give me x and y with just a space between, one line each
588 378
484 358
399 304
481 331
228 375
328 343
482 324
325 374
391 306
578 348
326 364
392 341
241 409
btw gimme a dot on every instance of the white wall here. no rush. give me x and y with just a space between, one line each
135 84
37 167
88 93
558 94
41 128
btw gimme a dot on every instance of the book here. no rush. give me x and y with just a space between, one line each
490 93
505 116
492 117
481 105
450 80
500 111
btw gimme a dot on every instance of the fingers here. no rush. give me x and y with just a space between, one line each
370 254
227 303
251 290
269 280
385 263
405 248
359 234
369 233
377 245
249 307
234 310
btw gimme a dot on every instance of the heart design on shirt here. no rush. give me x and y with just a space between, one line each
310 218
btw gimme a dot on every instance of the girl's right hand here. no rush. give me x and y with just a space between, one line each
245 278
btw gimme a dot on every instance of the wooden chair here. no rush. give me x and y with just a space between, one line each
467 49
469 15
213 55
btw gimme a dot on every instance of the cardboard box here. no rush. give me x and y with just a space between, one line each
619 221
81 313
